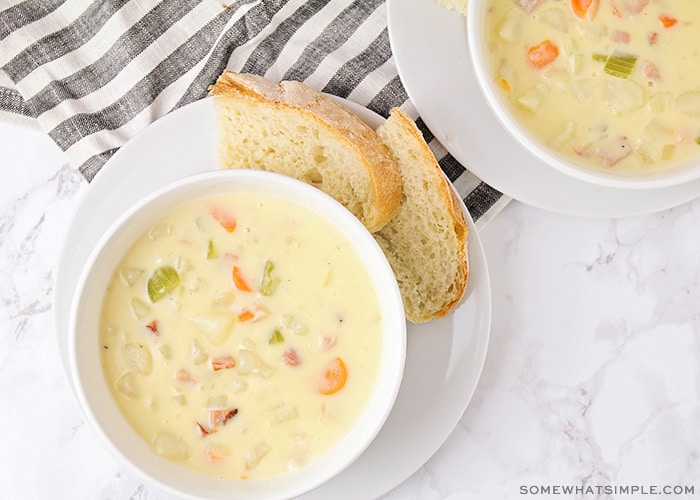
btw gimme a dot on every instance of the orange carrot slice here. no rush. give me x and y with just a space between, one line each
246 315
542 54
253 313
238 280
334 377
582 8
224 218
213 456
667 21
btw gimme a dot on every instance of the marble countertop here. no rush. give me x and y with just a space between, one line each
592 379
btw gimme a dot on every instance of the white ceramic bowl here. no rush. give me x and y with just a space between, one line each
94 395
662 177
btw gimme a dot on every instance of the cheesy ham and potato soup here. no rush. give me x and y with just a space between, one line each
241 336
612 84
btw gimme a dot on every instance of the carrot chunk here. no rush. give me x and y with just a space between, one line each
253 313
240 282
224 218
213 456
245 315
542 54
334 377
667 21
581 8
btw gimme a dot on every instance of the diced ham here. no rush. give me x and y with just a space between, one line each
619 36
627 8
651 71
652 37
223 362
203 431
220 417
529 5
153 327
290 357
327 342
184 376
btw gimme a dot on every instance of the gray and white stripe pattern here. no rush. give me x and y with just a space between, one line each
93 75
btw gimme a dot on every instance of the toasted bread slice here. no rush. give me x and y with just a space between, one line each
295 130
426 241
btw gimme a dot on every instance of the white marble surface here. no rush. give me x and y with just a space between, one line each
591 380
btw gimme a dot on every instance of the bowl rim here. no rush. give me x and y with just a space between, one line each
672 175
382 397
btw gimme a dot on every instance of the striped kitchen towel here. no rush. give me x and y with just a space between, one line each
92 75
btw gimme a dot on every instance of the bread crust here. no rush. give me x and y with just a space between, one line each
439 302
324 112
399 191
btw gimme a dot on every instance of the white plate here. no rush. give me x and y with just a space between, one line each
429 43
444 357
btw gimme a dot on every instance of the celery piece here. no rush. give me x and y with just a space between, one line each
211 252
697 140
163 280
268 282
275 338
600 57
620 65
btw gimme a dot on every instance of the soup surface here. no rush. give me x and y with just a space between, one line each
241 336
610 84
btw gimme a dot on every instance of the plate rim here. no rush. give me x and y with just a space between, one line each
479 277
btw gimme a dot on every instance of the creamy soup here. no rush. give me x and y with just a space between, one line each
611 84
241 336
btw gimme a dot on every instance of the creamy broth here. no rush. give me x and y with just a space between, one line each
241 336
611 85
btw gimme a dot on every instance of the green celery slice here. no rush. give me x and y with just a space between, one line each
276 337
620 65
211 251
268 283
163 280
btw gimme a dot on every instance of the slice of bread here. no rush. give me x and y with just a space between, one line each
426 241
292 129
